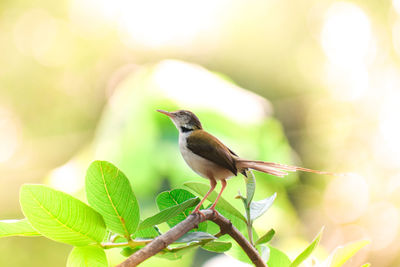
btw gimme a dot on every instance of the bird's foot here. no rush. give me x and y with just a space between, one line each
197 211
215 212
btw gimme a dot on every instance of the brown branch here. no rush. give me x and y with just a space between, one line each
162 241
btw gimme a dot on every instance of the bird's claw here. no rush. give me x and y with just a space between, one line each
196 211
215 212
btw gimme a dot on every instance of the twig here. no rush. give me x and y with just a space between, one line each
162 241
131 243
249 222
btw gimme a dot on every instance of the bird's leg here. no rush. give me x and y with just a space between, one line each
223 183
213 183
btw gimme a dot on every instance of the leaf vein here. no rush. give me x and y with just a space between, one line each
111 201
61 223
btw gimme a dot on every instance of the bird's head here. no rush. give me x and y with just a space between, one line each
184 120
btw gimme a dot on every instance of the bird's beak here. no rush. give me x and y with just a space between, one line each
169 114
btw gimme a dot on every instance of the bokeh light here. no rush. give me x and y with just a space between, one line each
346 198
93 19
389 127
67 178
9 135
346 34
175 79
172 23
396 5
43 37
382 223
346 40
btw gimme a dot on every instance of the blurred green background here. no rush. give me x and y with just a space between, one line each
314 83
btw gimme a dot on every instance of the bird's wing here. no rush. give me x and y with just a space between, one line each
209 147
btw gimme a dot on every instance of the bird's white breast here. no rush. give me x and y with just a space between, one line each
200 165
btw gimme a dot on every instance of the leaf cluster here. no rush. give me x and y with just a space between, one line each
111 219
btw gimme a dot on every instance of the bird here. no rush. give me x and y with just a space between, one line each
207 156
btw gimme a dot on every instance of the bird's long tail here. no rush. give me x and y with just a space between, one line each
275 169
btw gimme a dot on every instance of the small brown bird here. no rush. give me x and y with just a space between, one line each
211 159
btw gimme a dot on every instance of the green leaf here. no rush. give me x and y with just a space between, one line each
258 208
264 252
217 246
277 258
237 252
175 253
109 193
16 228
238 223
250 186
342 253
202 189
307 252
177 196
87 257
129 251
266 238
194 236
366 265
117 238
149 232
168 213
61 217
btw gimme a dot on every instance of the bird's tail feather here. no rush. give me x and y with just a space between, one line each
275 169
